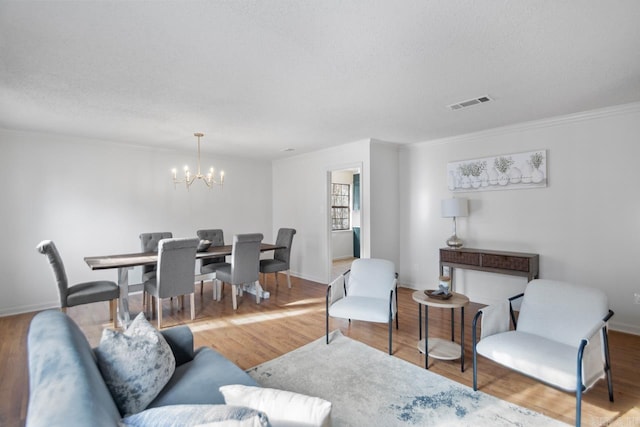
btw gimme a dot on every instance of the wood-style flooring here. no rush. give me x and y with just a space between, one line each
293 317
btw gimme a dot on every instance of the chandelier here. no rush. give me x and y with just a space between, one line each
189 178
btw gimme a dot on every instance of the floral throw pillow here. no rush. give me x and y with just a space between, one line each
136 364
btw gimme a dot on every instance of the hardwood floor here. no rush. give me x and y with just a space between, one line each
293 317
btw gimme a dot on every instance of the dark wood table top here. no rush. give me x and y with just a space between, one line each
146 258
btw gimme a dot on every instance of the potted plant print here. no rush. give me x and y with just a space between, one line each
536 161
502 165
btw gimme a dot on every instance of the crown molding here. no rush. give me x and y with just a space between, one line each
617 110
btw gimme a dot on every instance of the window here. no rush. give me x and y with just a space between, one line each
340 194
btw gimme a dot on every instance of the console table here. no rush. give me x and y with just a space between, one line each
511 263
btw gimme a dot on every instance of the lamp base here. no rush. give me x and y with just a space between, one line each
454 242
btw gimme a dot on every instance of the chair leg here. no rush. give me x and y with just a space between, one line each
326 315
112 311
277 284
63 309
182 302
288 279
159 300
201 287
193 305
234 296
390 336
607 363
264 281
258 291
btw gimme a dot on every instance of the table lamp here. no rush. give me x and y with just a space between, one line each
453 208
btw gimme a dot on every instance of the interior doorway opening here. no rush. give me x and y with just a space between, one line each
345 218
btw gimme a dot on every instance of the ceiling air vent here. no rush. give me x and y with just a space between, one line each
469 103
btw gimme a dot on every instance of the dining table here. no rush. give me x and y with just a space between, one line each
125 262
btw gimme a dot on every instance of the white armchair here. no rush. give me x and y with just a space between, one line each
560 336
367 292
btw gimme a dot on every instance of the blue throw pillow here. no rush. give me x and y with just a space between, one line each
135 365
194 415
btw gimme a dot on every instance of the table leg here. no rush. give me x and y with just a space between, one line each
452 325
123 305
426 337
462 341
419 322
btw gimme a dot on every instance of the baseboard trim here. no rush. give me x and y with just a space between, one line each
624 327
12 311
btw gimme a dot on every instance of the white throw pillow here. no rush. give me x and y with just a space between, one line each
136 364
284 408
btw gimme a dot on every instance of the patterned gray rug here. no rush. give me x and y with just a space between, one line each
370 388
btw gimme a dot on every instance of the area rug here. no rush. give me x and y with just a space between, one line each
367 387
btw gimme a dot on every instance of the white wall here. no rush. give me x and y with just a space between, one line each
95 198
584 225
385 190
300 198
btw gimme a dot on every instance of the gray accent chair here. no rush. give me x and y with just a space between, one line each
81 293
149 243
175 275
368 292
244 267
281 257
211 265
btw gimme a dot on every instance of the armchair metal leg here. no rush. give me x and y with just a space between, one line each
607 363
326 315
390 336
193 305
474 334
288 279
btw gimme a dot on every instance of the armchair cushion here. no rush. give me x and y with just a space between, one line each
361 308
549 303
521 352
135 365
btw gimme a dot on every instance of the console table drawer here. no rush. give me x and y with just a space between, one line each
505 262
467 258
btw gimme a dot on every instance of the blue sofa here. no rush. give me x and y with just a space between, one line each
67 389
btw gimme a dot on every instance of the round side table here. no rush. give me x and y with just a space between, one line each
437 347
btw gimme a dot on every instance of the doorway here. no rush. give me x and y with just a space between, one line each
344 218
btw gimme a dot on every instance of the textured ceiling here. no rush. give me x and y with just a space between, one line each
261 76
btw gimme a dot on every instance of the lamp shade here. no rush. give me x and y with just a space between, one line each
452 208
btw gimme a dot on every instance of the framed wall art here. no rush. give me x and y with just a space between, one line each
504 172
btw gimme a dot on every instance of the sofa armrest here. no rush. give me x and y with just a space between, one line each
180 339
